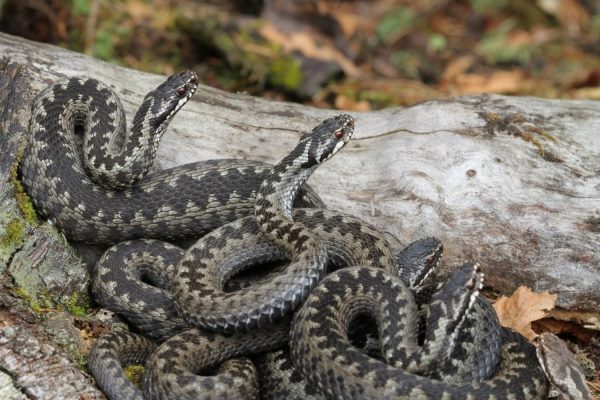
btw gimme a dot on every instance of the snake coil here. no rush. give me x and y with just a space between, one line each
104 195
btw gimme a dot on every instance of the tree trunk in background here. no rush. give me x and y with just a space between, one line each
511 182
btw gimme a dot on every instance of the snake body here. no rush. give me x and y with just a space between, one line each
103 195
346 373
134 278
185 201
268 301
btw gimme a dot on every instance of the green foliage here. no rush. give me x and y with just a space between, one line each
104 45
80 7
496 47
107 37
488 6
595 24
408 62
285 72
395 24
376 99
437 42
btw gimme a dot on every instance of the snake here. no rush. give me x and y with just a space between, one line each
134 278
92 196
561 367
96 189
343 372
128 261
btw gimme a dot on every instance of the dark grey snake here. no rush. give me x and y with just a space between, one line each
346 373
84 209
74 189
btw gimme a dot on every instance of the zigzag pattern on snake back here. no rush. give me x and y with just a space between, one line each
75 189
83 208
270 300
343 372
121 278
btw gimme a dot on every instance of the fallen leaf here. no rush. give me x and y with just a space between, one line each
344 103
458 66
495 82
304 43
523 307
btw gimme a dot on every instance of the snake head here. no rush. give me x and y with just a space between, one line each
450 306
168 98
327 138
418 260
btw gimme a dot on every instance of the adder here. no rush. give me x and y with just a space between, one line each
95 189
85 210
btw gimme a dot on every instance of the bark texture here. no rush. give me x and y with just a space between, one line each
511 182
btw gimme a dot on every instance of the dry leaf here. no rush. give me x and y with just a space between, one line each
304 42
457 66
344 103
524 306
495 82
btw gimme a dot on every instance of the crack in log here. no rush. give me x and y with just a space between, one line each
14 391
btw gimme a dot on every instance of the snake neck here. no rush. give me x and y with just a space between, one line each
273 207
111 156
122 161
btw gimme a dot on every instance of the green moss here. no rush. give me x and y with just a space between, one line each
134 373
77 356
14 235
285 72
589 368
31 300
77 305
23 201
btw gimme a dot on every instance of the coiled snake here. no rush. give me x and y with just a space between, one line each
135 205
69 186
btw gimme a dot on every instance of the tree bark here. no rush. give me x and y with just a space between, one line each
511 182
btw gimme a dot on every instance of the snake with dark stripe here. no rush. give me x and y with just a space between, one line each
54 173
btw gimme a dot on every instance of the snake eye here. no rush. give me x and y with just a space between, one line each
339 134
180 91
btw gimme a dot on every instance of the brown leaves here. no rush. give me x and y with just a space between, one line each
309 44
522 308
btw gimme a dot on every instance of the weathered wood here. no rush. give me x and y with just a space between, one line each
32 366
466 170
39 274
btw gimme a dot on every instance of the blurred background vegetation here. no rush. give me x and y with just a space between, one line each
357 55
